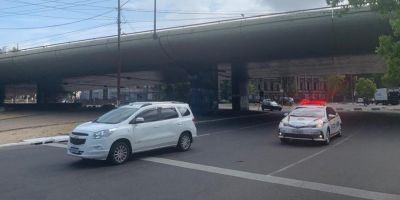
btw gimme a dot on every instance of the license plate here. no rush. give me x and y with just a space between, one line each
74 150
298 131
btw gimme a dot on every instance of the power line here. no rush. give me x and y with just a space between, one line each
19 6
64 8
76 4
183 19
191 12
55 25
59 35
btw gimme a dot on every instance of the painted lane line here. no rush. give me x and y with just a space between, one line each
202 135
14 144
309 157
230 118
341 190
241 128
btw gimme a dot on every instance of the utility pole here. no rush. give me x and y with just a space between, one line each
119 65
155 20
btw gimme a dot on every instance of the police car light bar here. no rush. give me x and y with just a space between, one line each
305 102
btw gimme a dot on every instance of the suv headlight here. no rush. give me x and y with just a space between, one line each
100 134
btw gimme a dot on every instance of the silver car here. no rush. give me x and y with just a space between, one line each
310 122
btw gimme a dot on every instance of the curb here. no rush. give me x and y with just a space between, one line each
46 140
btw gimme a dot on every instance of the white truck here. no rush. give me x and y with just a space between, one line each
387 96
381 96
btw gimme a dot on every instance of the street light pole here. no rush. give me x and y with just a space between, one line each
119 65
155 20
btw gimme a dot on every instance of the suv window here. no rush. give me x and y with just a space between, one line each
168 113
330 110
150 115
184 111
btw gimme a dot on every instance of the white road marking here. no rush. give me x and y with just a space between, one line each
309 157
229 118
241 128
347 191
13 144
202 135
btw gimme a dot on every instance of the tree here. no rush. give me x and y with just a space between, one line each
335 85
252 88
389 45
365 88
225 90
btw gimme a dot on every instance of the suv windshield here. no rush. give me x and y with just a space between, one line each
116 116
308 112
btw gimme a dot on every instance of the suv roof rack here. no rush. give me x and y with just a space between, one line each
143 104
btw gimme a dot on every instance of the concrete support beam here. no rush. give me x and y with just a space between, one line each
204 90
2 94
240 93
105 94
48 91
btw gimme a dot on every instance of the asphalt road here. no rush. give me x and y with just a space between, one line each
235 159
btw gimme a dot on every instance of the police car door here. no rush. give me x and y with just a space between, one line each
333 121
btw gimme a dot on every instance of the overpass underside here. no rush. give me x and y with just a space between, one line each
189 61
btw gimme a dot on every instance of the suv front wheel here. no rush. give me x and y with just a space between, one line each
119 153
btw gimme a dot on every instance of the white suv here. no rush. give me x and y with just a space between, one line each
134 128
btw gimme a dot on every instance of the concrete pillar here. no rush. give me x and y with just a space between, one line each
2 94
105 94
240 93
48 91
204 89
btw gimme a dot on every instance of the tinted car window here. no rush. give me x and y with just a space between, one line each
116 116
184 111
168 113
308 112
330 110
149 115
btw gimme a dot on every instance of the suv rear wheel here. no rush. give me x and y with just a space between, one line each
184 142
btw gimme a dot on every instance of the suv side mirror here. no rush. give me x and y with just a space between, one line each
331 116
138 120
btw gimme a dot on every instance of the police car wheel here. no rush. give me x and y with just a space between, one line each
328 137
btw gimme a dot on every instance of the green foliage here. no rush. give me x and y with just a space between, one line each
365 88
335 85
225 89
389 45
252 88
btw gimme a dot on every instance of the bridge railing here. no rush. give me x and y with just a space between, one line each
188 26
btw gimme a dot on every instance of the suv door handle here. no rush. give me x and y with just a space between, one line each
179 124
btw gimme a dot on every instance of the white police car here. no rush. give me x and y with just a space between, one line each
311 120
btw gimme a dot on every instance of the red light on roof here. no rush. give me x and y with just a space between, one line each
305 102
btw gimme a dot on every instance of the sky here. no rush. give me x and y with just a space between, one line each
32 23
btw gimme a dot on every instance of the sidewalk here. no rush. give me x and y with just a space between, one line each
361 107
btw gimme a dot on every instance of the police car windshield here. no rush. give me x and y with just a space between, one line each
308 112
116 116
